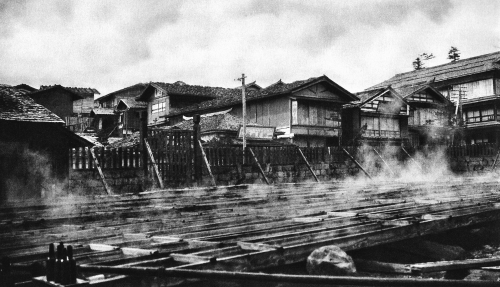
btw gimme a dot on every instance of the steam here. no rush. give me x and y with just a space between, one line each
27 174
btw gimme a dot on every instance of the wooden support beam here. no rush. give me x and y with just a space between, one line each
308 219
101 174
155 166
207 164
410 157
356 163
454 265
258 165
495 161
307 163
385 163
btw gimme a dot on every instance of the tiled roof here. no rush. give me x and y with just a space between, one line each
132 104
139 85
16 106
229 97
75 89
367 95
48 89
217 122
444 72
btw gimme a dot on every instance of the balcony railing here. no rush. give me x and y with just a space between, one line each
382 134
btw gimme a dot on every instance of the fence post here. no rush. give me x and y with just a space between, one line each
196 148
144 135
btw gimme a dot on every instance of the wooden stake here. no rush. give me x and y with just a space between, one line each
207 164
155 166
101 174
258 165
416 163
307 163
375 150
495 161
357 163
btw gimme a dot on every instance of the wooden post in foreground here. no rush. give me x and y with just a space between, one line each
258 165
155 166
307 163
357 163
101 174
207 164
196 149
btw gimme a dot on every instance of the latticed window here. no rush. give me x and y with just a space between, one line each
158 107
381 126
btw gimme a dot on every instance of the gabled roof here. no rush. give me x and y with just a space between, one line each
180 88
17 106
233 96
409 90
25 88
48 89
102 111
80 91
126 104
460 68
251 85
370 95
140 86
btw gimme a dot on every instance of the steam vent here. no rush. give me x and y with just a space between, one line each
301 183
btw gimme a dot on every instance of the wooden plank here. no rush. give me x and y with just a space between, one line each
101 174
454 265
102 247
138 251
207 164
307 164
261 171
384 267
190 258
356 163
155 166
257 246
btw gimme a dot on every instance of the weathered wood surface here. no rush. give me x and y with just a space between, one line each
245 228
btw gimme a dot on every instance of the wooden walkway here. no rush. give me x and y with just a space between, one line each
246 228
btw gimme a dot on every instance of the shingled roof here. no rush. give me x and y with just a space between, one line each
48 89
219 122
444 72
181 88
141 86
230 97
17 106
80 91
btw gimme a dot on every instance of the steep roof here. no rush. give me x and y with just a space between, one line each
17 106
140 86
80 91
444 72
125 104
410 90
48 89
181 88
232 97
102 111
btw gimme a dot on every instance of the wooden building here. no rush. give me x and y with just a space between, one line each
130 115
308 112
380 117
57 99
34 152
473 85
165 98
430 115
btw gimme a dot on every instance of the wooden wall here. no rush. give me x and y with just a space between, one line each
268 112
57 101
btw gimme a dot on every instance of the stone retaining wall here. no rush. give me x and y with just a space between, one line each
89 182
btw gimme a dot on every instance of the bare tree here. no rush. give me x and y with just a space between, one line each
453 54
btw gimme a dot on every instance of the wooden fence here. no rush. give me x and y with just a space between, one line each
477 150
173 153
119 158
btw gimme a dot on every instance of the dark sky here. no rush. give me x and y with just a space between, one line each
109 45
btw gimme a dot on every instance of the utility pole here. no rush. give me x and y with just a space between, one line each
244 111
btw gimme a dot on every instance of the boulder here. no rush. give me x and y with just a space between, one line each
330 260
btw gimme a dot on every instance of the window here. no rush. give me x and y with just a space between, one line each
158 107
381 126
484 115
